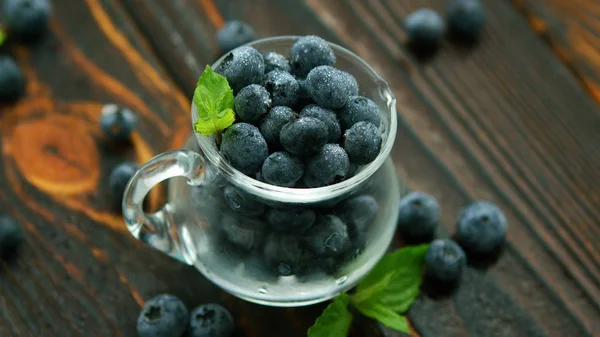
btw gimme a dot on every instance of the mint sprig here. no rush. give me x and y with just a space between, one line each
213 99
2 36
384 294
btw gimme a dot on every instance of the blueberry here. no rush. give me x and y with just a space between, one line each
445 261
117 122
162 316
252 102
328 166
419 215
328 236
12 79
282 169
210 320
242 66
362 142
290 220
425 28
242 202
303 96
358 212
359 109
234 34
283 87
304 136
11 235
329 87
326 116
310 52
27 19
119 178
246 233
465 18
244 147
283 253
271 125
481 228
275 61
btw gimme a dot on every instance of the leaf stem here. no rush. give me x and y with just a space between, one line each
219 137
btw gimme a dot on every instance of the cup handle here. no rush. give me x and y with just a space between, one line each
158 229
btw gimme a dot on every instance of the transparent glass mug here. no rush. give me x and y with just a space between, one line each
221 221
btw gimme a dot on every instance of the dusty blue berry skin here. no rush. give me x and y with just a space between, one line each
283 253
234 34
328 237
358 212
242 202
11 235
275 61
242 66
119 178
117 122
245 232
328 166
12 79
445 261
162 316
465 18
283 88
304 136
27 19
290 220
244 147
310 52
326 116
282 169
419 215
362 142
252 102
481 228
359 109
303 96
210 320
273 122
425 28
330 87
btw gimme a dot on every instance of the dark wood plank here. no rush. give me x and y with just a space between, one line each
505 121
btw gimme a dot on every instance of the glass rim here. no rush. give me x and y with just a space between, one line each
305 195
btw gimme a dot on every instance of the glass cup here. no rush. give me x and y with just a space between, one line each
268 244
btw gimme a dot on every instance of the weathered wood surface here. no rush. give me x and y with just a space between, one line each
505 121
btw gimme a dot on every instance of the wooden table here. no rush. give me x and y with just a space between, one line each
514 120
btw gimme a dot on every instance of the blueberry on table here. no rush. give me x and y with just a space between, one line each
283 87
425 28
328 166
162 316
290 220
11 235
244 232
358 212
310 52
273 122
244 147
445 261
362 142
234 34
252 102
328 237
419 215
117 122
330 87
119 178
283 253
465 18
359 109
326 116
481 228
12 79
27 19
242 66
210 320
304 136
242 202
282 169
275 61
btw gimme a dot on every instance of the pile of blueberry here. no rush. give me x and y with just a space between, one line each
300 122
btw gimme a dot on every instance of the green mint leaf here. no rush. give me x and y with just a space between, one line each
396 278
384 315
2 37
335 319
213 99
